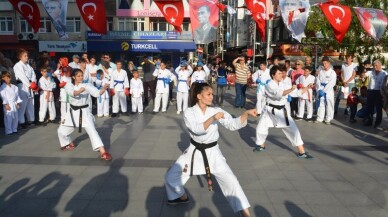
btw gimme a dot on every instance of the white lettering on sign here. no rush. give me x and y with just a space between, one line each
144 46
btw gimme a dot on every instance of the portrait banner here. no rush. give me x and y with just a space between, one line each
373 21
204 21
29 11
57 11
295 14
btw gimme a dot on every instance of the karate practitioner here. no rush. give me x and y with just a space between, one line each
63 74
275 114
183 72
79 115
119 89
11 102
102 100
204 152
46 85
27 85
324 85
306 80
164 76
200 74
136 91
261 77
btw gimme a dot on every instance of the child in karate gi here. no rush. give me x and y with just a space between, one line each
136 90
200 74
46 85
11 102
183 72
80 116
276 115
63 74
119 89
204 152
102 100
261 78
164 77
306 80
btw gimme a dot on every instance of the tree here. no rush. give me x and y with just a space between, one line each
356 40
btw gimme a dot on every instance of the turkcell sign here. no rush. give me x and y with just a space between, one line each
146 35
144 47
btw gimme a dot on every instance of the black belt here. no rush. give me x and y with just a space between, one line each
279 107
75 108
201 147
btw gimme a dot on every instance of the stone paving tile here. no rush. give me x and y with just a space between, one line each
371 210
332 211
290 209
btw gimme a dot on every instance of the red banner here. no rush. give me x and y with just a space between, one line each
258 11
339 17
93 13
172 11
29 10
204 21
373 21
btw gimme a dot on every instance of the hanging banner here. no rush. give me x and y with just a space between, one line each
373 21
339 17
29 11
57 11
93 13
172 11
294 14
258 10
204 21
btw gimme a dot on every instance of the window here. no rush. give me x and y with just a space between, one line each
6 25
45 25
186 25
109 23
25 27
73 24
131 24
160 25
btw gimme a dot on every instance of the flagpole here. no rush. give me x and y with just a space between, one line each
269 37
254 47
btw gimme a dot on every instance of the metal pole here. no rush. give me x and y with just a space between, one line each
254 47
269 38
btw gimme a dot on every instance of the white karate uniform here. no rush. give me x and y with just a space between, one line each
326 81
67 127
272 117
119 81
261 78
182 94
199 76
47 86
10 96
162 87
92 70
102 100
307 97
63 97
287 84
25 74
74 65
136 91
176 178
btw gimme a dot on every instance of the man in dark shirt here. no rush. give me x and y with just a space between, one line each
149 82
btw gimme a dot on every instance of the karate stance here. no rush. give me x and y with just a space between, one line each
79 115
11 102
182 95
203 156
275 114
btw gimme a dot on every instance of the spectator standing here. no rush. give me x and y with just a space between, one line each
242 73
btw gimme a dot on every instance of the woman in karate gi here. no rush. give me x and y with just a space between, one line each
79 114
276 115
203 156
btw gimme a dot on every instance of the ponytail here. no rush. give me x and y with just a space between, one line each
197 88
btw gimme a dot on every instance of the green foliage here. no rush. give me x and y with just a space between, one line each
356 40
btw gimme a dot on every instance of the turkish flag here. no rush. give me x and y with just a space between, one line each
29 10
339 17
373 21
222 7
258 11
172 11
93 13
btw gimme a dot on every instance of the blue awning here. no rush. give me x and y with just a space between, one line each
143 46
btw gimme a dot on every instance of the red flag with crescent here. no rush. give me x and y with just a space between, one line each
373 21
259 14
93 13
172 11
339 17
29 11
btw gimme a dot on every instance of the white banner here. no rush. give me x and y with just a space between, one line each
295 14
57 11
63 46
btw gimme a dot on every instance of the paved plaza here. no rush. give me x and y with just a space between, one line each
347 177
